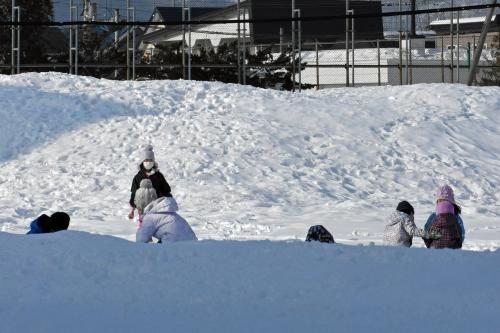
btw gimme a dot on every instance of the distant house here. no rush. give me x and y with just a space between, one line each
168 14
273 32
470 30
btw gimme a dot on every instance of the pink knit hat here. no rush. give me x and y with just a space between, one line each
445 193
445 207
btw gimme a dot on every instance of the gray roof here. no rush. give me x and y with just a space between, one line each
174 14
213 14
467 25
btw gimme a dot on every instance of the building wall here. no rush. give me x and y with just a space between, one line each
440 73
216 33
491 42
324 30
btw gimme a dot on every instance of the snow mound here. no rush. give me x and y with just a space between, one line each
80 282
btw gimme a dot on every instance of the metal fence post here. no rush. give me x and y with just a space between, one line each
400 46
347 43
442 59
293 46
244 54
116 19
468 55
133 44
299 47
281 40
128 40
407 44
73 39
16 40
410 59
70 36
452 42
189 43
378 63
317 65
238 51
130 44
353 47
183 40
458 46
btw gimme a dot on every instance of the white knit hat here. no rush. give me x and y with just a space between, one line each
145 194
148 153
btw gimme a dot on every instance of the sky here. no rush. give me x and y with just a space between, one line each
144 8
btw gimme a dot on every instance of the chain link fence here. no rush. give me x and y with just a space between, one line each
280 44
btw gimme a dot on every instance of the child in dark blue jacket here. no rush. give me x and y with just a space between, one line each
45 224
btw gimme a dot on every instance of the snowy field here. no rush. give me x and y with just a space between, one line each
249 165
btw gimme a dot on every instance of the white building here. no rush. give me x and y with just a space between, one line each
200 35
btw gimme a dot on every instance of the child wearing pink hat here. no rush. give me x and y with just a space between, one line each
446 220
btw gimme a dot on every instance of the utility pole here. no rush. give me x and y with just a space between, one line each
482 38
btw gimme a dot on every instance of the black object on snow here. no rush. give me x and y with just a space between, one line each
320 234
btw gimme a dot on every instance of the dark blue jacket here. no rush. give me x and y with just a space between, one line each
40 225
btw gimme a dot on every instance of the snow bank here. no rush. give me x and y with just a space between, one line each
79 282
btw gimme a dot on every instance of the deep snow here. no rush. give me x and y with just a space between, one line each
253 165
78 282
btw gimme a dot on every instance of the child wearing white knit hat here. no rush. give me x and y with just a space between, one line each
144 195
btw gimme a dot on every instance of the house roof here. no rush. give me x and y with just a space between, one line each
174 14
213 14
467 25
466 20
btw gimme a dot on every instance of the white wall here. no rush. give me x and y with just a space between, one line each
214 32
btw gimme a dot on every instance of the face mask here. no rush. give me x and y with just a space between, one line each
148 165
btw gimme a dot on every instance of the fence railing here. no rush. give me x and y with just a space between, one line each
235 44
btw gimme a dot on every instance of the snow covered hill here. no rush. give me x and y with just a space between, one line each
247 163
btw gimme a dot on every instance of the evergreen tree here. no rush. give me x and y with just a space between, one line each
33 38
492 77
264 69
